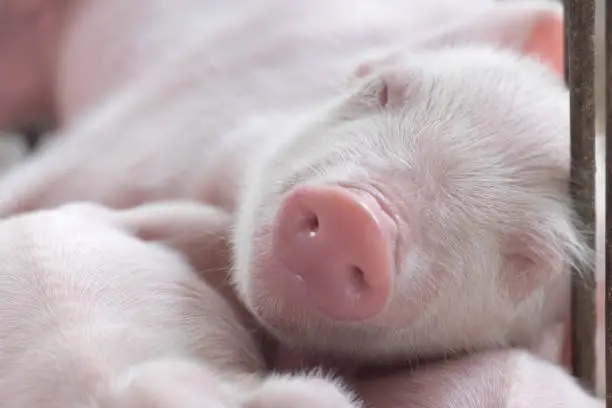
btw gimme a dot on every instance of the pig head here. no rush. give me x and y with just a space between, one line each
426 209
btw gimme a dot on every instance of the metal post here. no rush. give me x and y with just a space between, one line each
608 243
580 23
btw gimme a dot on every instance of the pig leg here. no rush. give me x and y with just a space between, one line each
498 379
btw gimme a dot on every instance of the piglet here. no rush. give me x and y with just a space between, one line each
100 310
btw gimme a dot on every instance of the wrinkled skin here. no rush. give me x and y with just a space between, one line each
458 155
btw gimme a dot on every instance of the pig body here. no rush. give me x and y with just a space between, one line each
414 123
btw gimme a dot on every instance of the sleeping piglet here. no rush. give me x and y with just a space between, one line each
399 174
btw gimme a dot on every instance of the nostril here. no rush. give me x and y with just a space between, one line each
357 280
310 224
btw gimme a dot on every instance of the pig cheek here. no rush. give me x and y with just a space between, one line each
413 297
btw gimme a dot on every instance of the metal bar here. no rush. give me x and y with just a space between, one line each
580 24
608 216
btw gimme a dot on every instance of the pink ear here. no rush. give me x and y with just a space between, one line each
534 28
545 40
530 27
380 86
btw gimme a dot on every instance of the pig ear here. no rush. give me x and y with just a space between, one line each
538 253
198 231
531 27
379 86
526 266
545 39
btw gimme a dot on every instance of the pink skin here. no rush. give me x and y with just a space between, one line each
463 152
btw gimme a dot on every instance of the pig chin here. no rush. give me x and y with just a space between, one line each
327 260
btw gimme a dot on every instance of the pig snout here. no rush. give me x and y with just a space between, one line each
336 248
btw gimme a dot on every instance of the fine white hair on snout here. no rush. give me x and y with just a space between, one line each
470 147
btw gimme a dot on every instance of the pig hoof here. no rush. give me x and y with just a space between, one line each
301 392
